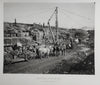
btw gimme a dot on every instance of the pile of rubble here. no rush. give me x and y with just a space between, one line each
78 63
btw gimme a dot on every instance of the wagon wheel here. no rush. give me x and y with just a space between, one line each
8 59
26 57
23 55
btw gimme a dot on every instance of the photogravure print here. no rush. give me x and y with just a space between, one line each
49 38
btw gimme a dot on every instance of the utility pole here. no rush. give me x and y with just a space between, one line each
15 21
56 23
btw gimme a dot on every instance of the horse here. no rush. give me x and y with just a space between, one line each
43 51
56 50
51 49
63 49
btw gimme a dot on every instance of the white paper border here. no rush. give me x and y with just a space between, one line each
44 79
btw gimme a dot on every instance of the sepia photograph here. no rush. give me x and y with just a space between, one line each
49 38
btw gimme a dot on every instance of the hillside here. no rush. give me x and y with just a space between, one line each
63 33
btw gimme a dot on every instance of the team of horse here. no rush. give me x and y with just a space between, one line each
52 50
40 51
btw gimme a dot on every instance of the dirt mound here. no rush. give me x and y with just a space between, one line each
79 64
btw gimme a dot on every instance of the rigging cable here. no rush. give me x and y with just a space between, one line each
73 13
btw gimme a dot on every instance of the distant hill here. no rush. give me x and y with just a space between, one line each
29 27
87 28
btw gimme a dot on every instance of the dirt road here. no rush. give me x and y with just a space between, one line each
36 65
33 66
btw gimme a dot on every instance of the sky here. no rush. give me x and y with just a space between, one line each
70 15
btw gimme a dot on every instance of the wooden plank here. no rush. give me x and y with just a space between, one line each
18 60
